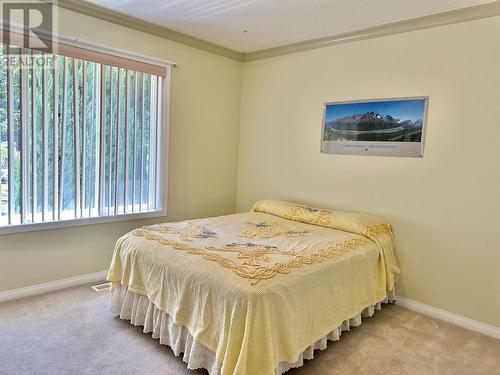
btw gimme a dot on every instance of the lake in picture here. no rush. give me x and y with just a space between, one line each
398 120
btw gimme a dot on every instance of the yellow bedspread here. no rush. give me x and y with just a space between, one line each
258 288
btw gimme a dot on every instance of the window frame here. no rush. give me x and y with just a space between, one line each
162 146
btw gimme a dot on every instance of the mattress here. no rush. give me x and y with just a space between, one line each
257 289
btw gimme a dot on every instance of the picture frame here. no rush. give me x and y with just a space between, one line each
379 127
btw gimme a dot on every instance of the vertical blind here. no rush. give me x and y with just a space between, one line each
78 139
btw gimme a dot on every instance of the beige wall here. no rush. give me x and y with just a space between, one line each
444 207
203 158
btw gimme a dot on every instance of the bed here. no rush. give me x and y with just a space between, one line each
254 292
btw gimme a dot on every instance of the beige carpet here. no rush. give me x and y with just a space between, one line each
73 332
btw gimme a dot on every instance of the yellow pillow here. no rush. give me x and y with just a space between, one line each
346 221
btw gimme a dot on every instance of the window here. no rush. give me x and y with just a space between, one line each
79 138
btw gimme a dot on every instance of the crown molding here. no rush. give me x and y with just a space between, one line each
96 11
419 23
424 22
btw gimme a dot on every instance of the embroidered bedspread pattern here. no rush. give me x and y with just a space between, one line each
248 286
369 226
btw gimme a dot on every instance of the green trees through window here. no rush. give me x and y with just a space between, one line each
78 139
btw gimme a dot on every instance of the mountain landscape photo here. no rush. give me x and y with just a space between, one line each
394 121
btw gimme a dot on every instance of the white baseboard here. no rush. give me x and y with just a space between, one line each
433 312
52 286
449 317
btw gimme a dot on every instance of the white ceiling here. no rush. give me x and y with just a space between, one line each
272 23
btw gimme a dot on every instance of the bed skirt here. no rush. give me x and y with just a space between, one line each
142 312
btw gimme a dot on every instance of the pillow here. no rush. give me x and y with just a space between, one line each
346 221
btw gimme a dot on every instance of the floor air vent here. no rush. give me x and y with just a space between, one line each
102 287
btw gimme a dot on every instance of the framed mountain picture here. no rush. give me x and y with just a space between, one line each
383 127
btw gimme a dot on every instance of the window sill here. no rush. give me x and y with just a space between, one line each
79 222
